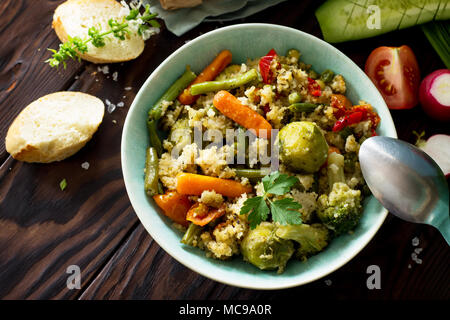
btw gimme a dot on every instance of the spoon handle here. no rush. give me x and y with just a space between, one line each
444 228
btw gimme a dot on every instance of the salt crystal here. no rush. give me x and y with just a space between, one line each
85 165
128 88
120 104
115 75
111 108
104 69
328 282
107 102
419 261
409 266
418 250
414 256
415 241
114 121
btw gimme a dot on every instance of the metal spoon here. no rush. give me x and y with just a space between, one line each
406 181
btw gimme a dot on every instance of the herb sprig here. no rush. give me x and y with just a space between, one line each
75 46
284 211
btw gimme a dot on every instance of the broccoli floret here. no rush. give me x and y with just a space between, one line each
341 209
312 238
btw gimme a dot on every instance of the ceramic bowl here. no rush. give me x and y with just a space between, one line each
246 41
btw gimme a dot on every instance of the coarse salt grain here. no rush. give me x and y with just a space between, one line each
111 108
120 104
85 165
128 88
115 75
415 241
104 69
328 282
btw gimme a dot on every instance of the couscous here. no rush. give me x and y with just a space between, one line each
259 160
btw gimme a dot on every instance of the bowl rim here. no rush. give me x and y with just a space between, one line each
368 235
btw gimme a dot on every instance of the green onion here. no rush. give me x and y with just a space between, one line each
438 33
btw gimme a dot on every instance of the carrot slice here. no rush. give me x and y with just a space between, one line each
332 149
200 214
195 184
231 107
209 73
174 205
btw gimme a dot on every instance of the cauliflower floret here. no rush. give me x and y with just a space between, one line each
308 202
351 145
338 84
211 198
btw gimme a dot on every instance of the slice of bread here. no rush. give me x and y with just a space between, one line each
54 127
75 17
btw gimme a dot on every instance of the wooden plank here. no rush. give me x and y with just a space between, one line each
91 223
141 270
24 76
45 229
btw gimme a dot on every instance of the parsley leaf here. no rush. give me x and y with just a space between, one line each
258 209
63 184
284 211
277 183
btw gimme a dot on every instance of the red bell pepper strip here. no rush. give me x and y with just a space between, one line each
347 120
314 88
264 66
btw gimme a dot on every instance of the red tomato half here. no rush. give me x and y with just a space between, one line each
395 72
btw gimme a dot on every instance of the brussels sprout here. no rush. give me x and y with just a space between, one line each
262 248
302 146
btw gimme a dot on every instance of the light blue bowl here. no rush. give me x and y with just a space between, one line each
246 41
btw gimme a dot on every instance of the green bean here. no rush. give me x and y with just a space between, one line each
172 93
302 107
227 84
327 76
192 232
294 97
252 173
151 172
155 142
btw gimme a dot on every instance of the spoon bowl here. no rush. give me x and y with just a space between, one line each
406 181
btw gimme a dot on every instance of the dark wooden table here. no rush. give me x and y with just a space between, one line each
43 230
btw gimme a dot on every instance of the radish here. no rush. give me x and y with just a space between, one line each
438 148
434 94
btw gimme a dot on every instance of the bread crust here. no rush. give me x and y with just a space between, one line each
59 26
45 151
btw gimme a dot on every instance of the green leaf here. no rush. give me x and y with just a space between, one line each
285 211
278 184
63 184
257 209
